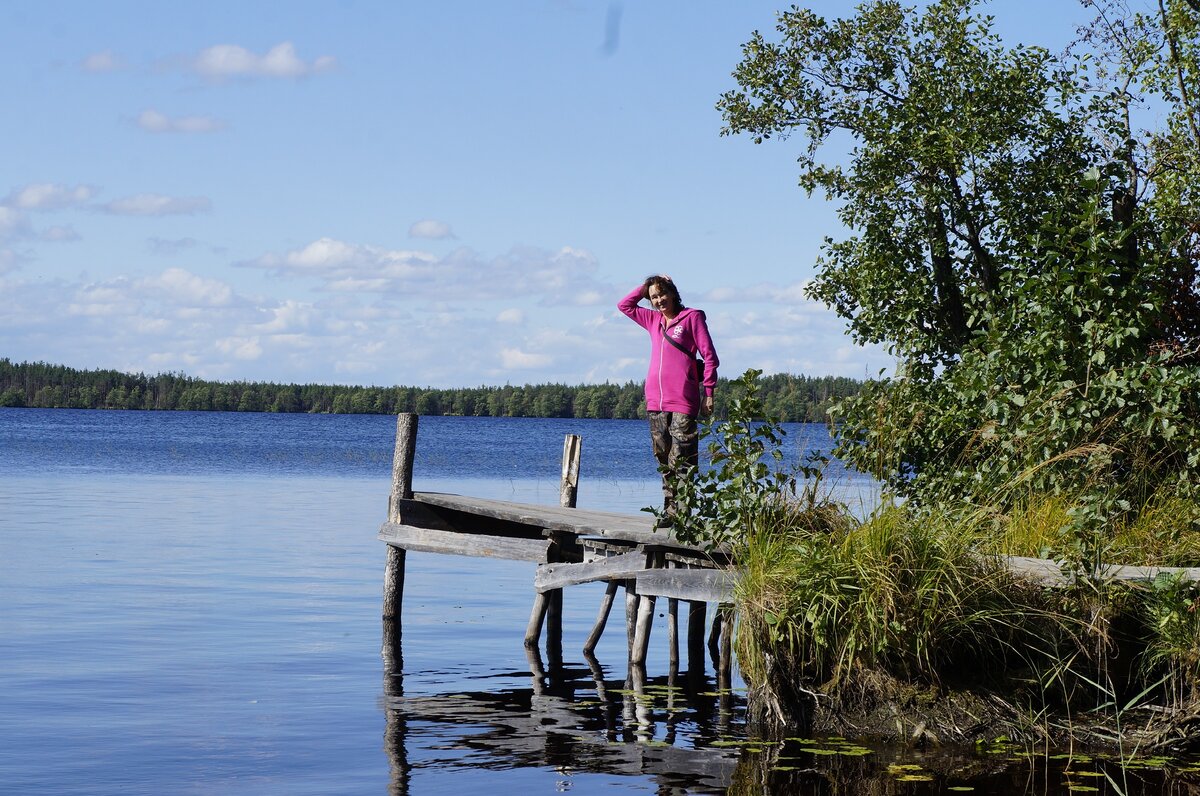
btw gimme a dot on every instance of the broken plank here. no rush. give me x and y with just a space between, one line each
427 540
619 567
706 585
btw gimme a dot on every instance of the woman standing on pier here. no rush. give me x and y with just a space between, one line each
678 385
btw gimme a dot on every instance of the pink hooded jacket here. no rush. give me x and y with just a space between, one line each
671 383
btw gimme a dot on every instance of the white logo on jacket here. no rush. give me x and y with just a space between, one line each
677 331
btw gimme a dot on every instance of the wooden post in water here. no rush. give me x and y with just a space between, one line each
645 617
725 666
631 612
610 592
673 635
697 618
569 487
554 608
402 474
547 606
568 492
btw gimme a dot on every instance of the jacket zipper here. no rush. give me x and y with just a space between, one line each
661 351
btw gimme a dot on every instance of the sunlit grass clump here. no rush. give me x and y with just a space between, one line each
901 593
838 612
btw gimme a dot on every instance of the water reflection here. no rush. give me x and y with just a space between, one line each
574 718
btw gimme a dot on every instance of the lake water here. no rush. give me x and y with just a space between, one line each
189 603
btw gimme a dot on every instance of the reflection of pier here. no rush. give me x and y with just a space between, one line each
570 546
574 722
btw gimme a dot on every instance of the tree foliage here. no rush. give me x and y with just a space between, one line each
1023 247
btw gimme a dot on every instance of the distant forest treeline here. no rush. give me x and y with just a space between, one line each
41 385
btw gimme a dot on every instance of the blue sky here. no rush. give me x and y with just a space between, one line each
443 194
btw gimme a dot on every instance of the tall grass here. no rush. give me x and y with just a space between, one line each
837 611
830 606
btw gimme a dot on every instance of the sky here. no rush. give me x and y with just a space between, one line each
419 193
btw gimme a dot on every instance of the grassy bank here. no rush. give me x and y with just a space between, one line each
909 623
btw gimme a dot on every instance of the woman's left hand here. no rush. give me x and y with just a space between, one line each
706 405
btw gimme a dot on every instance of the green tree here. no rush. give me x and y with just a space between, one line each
958 146
428 404
1033 278
13 396
117 398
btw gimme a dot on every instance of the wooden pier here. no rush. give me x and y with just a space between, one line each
570 546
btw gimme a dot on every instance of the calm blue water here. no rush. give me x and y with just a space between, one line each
189 603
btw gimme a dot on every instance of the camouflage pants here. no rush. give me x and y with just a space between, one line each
675 439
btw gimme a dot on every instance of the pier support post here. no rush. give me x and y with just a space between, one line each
673 636
631 612
697 618
645 617
610 593
673 631
402 473
554 610
641 632
725 667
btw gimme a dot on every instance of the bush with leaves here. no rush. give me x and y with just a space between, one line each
714 505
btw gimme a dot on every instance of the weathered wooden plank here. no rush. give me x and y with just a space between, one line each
707 585
629 527
618 567
1050 572
1139 573
428 540
1036 569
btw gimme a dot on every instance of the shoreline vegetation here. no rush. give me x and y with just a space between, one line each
1029 250
799 399
910 624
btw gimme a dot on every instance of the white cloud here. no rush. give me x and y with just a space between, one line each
327 253
429 228
104 300
511 316
153 121
230 60
761 293
566 277
185 289
516 359
242 348
404 318
150 204
171 361
12 222
104 61
48 196
287 318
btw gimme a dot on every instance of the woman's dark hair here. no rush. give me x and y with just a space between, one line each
667 286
